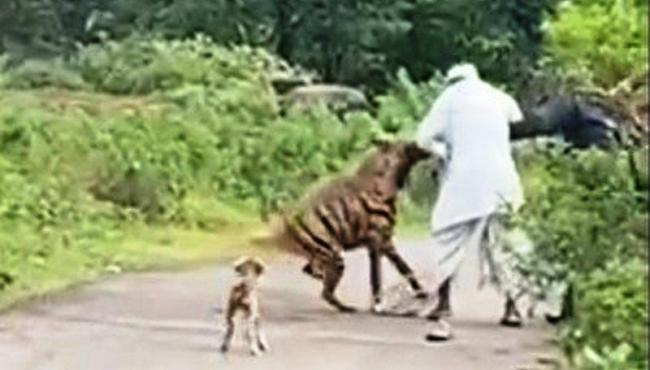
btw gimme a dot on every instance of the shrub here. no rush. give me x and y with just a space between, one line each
589 228
610 330
606 39
38 74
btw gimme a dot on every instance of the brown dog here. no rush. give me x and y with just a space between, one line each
244 298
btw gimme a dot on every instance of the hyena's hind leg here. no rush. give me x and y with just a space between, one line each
313 269
333 272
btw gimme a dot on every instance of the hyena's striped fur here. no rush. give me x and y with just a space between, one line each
357 211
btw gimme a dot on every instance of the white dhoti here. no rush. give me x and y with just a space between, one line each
482 238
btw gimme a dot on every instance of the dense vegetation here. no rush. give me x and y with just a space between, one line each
356 42
102 131
590 228
183 144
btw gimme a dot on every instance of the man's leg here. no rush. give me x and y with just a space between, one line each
443 307
451 245
501 270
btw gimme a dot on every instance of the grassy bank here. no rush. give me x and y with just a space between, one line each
138 248
148 153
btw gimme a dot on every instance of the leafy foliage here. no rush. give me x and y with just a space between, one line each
589 227
611 331
76 166
352 42
605 40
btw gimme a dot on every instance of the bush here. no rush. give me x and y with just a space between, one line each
589 228
610 330
141 65
37 74
214 151
402 108
606 39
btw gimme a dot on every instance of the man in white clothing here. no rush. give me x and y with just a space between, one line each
468 127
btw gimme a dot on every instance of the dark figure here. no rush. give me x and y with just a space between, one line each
580 124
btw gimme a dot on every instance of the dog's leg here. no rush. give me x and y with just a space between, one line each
251 336
227 337
262 343
404 269
333 273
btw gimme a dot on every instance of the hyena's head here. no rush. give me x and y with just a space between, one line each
250 267
392 161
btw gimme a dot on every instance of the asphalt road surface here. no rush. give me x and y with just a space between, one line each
166 320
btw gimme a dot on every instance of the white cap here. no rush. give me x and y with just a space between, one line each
461 72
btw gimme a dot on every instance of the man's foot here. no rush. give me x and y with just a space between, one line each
553 319
443 307
439 331
511 322
511 317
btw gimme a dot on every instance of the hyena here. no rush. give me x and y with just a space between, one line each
352 212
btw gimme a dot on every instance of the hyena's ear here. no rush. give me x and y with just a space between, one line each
382 144
414 152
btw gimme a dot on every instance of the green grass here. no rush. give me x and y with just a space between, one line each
138 248
143 248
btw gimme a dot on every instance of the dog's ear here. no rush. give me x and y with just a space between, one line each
240 264
259 266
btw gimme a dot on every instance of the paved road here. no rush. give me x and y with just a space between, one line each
164 320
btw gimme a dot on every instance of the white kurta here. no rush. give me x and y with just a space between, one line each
469 126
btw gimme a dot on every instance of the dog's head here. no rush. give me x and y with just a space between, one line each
249 267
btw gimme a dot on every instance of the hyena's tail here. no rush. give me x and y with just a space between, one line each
277 235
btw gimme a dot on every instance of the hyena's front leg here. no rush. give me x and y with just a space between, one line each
375 279
404 270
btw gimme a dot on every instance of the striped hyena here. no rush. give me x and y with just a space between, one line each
352 212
